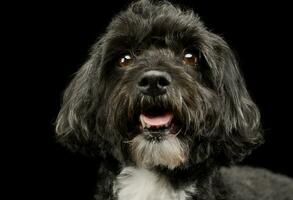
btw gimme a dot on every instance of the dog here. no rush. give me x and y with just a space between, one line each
162 105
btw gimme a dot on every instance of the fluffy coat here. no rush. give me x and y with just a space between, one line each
215 124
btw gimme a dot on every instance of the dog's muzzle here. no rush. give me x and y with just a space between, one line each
156 120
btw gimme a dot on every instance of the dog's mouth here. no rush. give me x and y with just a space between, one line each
156 123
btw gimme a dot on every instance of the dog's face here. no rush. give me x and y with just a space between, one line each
160 90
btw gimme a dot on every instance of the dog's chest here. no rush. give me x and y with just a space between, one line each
142 184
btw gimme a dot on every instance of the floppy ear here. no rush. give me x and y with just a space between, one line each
239 120
76 119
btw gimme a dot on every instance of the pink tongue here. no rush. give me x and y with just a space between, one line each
157 120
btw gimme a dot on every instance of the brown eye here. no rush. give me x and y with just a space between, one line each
190 58
125 60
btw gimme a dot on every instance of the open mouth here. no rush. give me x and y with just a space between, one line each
156 123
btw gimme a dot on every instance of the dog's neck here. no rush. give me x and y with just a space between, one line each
143 184
183 176
159 184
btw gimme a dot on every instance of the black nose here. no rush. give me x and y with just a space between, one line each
154 83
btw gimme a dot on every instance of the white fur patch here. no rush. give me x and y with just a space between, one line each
142 184
170 152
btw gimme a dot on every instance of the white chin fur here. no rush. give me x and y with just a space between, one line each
169 152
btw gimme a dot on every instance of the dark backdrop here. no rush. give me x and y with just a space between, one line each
55 41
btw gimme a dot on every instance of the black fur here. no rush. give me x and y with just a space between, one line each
218 121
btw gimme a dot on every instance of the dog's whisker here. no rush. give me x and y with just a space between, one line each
178 132
128 142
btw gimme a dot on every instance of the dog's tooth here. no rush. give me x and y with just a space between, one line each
142 122
148 126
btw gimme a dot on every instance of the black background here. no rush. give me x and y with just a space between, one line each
51 41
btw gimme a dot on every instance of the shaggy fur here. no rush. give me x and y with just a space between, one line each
214 121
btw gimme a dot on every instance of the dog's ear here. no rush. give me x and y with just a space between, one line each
75 119
239 120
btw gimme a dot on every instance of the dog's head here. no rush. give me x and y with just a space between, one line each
160 90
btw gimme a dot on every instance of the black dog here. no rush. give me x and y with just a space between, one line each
162 104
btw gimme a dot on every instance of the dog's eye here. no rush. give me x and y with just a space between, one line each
125 60
190 58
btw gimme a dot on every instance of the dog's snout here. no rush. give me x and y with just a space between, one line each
154 83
